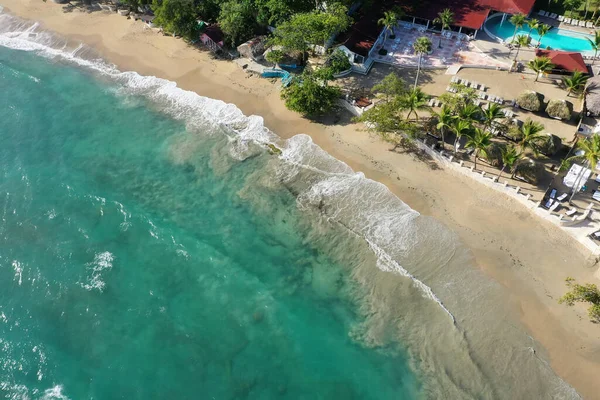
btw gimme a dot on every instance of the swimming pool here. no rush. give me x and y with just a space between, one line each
557 39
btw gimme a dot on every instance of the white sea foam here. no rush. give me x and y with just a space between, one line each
53 393
102 261
367 207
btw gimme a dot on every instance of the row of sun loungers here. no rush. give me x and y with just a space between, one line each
434 103
563 19
464 82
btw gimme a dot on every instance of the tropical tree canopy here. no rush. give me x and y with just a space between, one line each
413 101
445 18
390 86
587 293
237 21
540 65
531 136
310 96
175 16
480 140
575 83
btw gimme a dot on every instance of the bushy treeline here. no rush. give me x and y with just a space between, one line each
240 20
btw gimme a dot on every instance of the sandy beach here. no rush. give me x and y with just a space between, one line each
529 257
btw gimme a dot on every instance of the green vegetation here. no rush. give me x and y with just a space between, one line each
413 101
177 17
540 65
338 62
310 95
311 28
510 160
576 83
389 21
444 120
520 41
542 30
518 20
587 293
595 43
444 18
531 136
237 21
275 56
422 45
481 141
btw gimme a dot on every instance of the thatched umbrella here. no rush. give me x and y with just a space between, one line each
559 109
592 96
530 100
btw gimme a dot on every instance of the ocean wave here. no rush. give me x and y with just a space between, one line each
387 215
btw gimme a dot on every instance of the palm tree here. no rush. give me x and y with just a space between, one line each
389 21
591 153
422 45
595 44
413 101
533 24
490 114
540 65
542 30
510 158
518 20
445 119
460 127
520 41
531 135
469 112
575 83
444 18
480 141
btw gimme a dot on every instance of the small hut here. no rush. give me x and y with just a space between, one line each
212 37
253 49
592 97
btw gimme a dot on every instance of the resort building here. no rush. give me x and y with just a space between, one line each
469 15
565 62
212 37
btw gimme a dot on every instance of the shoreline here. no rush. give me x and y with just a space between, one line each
527 256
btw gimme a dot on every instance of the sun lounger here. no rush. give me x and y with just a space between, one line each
548 203
554 206
553 16
596 195
567 20
589 24
596 234
571 212
575 22
482 95
562 197
553 193
542 13
561 18
581 23
454 79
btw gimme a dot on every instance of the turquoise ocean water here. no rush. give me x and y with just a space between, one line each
126 274
151 247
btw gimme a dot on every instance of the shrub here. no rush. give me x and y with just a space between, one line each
559 109
275 56
530 171
550 146
338 62
530 100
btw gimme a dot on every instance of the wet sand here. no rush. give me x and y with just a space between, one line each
529 257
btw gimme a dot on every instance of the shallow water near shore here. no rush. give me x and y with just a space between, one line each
152 247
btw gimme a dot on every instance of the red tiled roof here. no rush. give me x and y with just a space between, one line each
564 60
469 13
